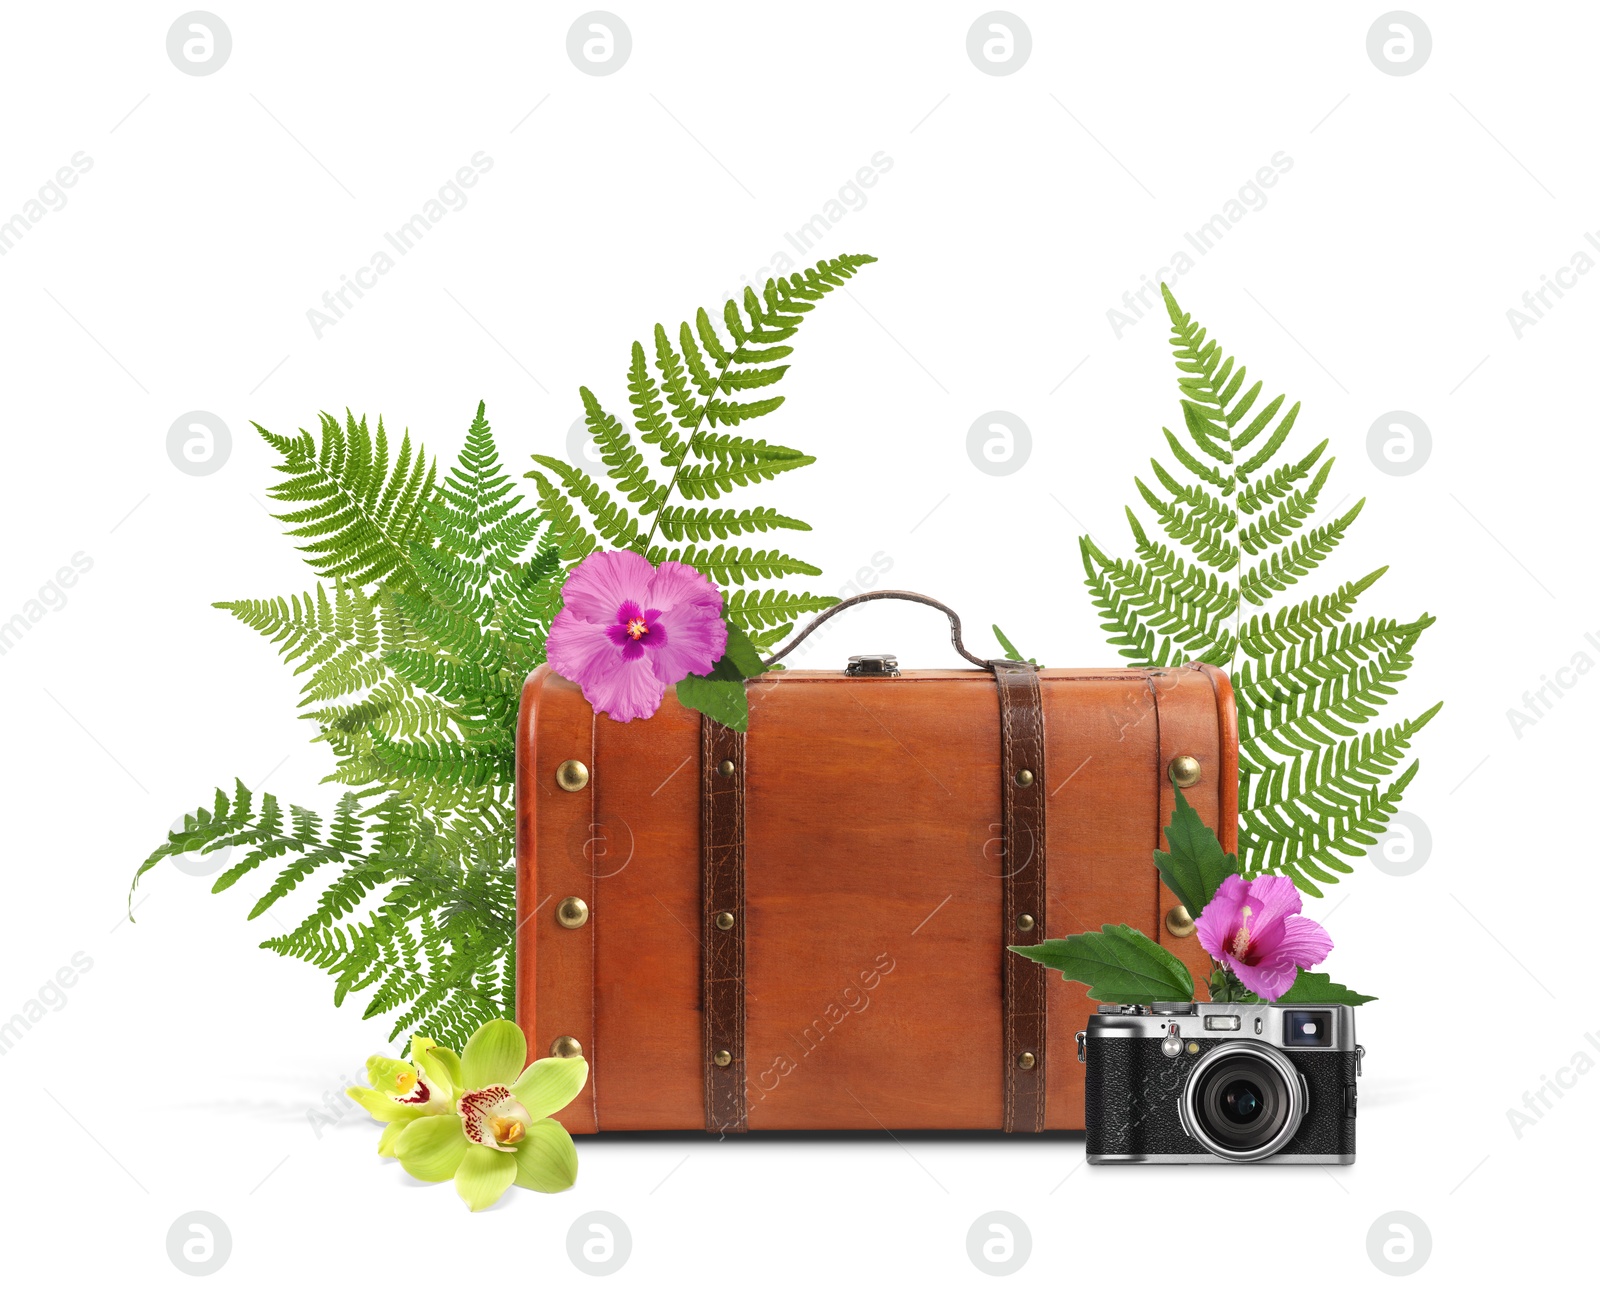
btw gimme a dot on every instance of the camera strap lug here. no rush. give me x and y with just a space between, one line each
1083 1038
1360 1052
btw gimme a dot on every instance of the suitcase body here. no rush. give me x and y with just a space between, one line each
844 965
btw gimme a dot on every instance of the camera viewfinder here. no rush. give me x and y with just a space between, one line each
1307 1029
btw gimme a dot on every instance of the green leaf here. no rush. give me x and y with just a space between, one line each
720 695
1119 964
743 654
1195 865
1314 988
1011 650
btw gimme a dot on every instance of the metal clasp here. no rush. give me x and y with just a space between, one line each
873 664
1360 1052
1083 1038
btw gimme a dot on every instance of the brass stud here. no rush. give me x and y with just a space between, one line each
722 1058
1025 1061
724 921
572 776
1179 923
1185 771
1025 922
572 912
1024 778
566 1047
725 769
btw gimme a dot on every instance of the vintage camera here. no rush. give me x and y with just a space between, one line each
1205 1083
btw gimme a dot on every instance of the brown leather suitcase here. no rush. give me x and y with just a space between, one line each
805 926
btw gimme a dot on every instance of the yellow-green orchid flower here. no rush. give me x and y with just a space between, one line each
501 1133
403 1092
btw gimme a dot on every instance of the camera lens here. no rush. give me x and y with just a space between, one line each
1243 1101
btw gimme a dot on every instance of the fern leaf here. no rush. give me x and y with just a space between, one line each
711 376
730 566
1309 681
612 522
1283 568
624 462
680 523
753 610
358 514
1286 517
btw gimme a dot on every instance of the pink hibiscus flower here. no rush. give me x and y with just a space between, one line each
1254 929
628 630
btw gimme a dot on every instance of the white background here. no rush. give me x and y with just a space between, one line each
180 1072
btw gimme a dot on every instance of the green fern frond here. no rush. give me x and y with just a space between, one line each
339 640
390 707
443 761
357 512
1280 483
413 686
1140 591
456 682
730 566
476 516
1296 623
1314 784
708 482
764 640
1133 638
413 660
624 463
1286 566
440 931
565 526
1308 815
726 447
611 521
1271 529
718 374
754 610
680 523
1281 681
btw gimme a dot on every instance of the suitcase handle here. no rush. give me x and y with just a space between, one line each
913 597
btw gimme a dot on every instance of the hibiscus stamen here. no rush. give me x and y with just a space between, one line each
636 627
1241 940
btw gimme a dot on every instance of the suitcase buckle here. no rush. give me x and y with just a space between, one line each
873 664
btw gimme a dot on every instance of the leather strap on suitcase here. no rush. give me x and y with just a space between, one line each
722 923
1022 784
